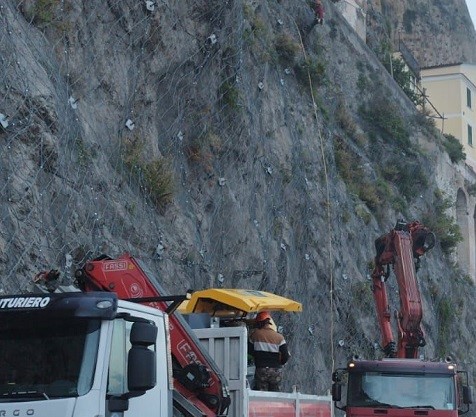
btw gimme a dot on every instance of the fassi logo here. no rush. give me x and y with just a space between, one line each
115 266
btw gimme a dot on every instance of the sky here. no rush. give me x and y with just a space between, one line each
472 10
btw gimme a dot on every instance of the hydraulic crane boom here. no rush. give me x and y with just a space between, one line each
399 248
402 384
196 376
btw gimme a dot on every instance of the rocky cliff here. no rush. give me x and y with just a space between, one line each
227 143
439 32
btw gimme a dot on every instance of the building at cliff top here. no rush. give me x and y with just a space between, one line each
452 91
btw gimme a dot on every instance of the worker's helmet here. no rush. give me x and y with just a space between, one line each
263 316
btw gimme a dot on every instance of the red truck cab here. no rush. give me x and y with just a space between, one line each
401 387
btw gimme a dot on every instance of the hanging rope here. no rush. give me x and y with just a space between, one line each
328 204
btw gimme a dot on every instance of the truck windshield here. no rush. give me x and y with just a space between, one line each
49 358
375 389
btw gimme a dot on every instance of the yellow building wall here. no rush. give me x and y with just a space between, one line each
445 95
470 71
451 126
469 114
446 88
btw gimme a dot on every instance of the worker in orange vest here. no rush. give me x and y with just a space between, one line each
270 353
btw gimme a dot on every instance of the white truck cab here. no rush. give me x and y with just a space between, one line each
83 355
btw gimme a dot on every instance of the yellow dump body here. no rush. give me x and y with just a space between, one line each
236 302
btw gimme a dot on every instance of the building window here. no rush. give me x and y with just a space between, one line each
470 135
468 97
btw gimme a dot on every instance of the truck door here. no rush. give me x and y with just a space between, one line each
152 402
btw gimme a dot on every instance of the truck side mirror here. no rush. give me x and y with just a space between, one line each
143 333
468 394
141 364
336 392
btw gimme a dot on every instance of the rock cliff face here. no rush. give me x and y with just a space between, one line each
228 143
439 32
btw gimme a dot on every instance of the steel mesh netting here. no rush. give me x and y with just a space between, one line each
79 88
121 123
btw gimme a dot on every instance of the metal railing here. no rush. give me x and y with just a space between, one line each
409 59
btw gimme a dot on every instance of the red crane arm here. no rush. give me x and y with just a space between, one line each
399 248
383 312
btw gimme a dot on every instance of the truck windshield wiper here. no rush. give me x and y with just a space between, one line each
419 406
378 404
27 394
